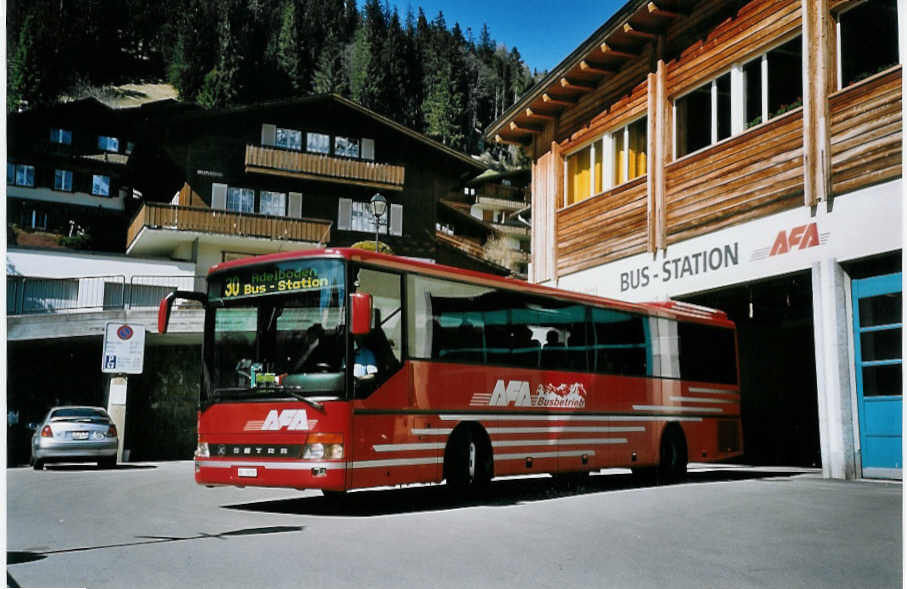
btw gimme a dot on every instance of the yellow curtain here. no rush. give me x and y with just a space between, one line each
637 133
578 176
597 168
620 154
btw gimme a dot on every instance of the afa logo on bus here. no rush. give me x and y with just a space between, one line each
518 393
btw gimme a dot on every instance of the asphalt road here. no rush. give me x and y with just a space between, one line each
149 525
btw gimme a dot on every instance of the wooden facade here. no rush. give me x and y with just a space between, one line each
645 59
247 154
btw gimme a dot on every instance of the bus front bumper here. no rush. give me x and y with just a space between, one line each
297 474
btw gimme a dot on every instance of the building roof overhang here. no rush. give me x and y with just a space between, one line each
621 39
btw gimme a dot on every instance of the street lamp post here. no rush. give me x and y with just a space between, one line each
379 207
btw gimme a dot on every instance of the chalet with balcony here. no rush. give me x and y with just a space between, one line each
745 155
295 175
66 180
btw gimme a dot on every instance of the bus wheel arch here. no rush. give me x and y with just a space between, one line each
468 457
672 454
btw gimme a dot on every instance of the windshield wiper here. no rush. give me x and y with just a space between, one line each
295 392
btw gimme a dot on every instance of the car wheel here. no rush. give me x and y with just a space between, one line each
37 464
108 462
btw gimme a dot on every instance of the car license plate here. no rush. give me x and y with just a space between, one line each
79 435
247 472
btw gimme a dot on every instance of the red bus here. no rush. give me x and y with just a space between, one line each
340 369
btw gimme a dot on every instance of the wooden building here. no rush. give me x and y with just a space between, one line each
298 174
744 154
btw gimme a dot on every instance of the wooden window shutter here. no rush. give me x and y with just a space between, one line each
268 134
219 196
368 149
344 214
396 227
295 205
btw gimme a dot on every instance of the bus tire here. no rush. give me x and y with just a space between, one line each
672 463
467 460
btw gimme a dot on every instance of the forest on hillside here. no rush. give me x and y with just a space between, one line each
432 77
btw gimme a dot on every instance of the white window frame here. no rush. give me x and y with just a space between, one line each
108 143
738 96
350 141
61 136
282 134
243 193
66 184
267 195
839 65
319 143
95 185
605 143
713 115
28 180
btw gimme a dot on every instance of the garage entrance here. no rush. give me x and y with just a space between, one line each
777 367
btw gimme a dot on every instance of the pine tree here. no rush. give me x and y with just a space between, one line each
360 54
195 51
289 50
25 85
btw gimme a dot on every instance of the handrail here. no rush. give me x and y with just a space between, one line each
264 158
167 216
32 295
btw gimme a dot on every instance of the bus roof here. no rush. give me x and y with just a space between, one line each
672 309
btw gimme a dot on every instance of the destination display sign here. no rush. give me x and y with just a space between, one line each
293 277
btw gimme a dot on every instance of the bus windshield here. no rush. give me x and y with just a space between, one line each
278 331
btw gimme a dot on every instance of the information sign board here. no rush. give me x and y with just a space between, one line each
124 348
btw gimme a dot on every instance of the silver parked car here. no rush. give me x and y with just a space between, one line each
75 434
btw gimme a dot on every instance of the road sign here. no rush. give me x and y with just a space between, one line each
124 348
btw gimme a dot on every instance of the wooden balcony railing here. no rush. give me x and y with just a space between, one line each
503 192
471 247
296 164
166 216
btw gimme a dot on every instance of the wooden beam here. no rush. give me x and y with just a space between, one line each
612 52
501 139
577 85
594 68
558 101
524 128
631 30
539 115
655 10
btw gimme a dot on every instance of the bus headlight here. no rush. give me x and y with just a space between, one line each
323 446
313 451
202 450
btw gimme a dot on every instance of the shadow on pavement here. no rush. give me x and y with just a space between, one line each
13 558
83 467
501 493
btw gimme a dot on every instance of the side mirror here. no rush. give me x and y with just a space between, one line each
163 310
361 313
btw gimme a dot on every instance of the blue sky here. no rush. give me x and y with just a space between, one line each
544 31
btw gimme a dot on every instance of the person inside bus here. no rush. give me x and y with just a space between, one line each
365 367
554 353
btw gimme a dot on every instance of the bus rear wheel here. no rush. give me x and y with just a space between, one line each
467 461
672 464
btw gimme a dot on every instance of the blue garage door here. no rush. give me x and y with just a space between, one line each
877 343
